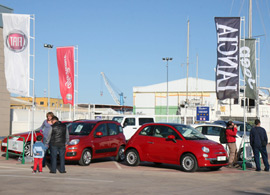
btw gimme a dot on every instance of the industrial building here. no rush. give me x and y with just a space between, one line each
152 100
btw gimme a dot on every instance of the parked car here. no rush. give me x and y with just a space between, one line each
173 143
27 138
240 126
92 139
212 132
132 123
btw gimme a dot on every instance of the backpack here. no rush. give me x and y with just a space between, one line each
222 136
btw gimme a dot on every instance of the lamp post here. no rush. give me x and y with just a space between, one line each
167 109
49 47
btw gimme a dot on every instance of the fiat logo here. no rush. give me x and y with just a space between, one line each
16 41
69 97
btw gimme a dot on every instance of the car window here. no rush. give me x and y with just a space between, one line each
148 131
129 122
189 132
80 128
164 131
113 129
145 120
120 129
119 119
103 129
199 129
213 130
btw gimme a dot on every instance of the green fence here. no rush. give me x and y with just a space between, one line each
14 142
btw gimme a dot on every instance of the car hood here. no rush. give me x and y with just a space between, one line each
76 136
207 143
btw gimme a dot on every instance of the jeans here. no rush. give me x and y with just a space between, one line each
44 158
61 150
257 151
233 153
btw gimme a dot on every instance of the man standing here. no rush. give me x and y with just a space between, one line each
231 131
58 139
258 142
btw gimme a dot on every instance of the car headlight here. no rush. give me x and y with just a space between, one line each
74 142
205 149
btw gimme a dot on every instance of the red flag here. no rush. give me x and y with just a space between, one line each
65 62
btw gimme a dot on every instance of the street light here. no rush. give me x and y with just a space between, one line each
167 110
49 47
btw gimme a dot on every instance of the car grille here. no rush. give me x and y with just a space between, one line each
71 154
214 162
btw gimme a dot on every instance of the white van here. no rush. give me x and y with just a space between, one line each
132 123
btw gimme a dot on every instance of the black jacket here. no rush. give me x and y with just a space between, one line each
58 136
257 134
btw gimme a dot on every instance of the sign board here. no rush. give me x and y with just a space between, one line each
15 145
202 113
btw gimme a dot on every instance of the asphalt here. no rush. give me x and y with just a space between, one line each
105 176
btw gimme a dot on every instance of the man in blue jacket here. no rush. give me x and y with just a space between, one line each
258 142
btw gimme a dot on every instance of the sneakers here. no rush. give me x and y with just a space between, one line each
63 172
40 172
34 172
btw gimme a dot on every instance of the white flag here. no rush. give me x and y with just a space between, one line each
16 36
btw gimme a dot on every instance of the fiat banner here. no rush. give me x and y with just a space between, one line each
248 66
16 36
65 62
227 69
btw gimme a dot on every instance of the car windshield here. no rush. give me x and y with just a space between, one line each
189 132
240 127
118 119
80 128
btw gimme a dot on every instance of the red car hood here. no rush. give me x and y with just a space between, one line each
207 143
76 136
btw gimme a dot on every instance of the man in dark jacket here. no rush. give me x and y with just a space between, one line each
258 142
58 139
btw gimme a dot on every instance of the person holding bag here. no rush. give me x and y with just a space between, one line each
258 142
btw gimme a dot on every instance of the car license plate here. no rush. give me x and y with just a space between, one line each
221 158
4 144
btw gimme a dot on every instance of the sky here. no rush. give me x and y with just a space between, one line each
127 39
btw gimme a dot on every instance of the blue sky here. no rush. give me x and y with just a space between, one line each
127 39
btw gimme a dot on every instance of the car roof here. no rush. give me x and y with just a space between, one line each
161 123
207 124
93 121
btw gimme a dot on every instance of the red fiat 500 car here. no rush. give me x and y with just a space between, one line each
95 139
174 144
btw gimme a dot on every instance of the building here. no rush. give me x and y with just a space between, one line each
152 100
4 94
55 103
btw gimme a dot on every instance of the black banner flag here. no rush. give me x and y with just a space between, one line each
227 70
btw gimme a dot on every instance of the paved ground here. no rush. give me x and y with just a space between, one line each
106 176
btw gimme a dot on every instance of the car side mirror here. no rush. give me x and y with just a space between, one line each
99 134
172 137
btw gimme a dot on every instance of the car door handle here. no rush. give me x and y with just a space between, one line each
150 142
134 128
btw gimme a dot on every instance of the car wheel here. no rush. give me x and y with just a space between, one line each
121 154
85 158
214 168
132 157
27 149
240 155
189 163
